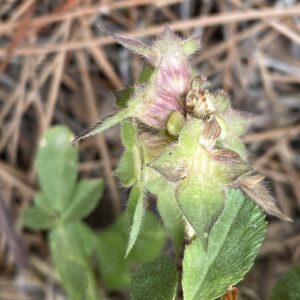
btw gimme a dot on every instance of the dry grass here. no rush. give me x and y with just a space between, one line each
57 67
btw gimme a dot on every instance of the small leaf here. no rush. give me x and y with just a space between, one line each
72 264
135 213
86 197
288 286
114 268
57 163
155 280
233 244
37 219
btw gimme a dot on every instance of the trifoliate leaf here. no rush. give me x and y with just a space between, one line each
155 280
57 163
233 244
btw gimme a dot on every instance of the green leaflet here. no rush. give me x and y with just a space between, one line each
72 263
37 219
288 286
155 280
86 197
167 206
135 214
57 163
233 244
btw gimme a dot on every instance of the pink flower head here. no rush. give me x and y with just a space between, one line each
162 95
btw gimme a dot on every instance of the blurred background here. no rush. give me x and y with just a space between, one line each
57 67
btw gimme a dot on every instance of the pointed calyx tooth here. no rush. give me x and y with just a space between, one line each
211 133
106 123
171 166
253 187
226 156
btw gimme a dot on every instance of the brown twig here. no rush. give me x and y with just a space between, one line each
273 134
178 25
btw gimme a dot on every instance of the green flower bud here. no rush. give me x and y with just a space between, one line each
175 123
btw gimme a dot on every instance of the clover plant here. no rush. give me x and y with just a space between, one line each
78 252
183 144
